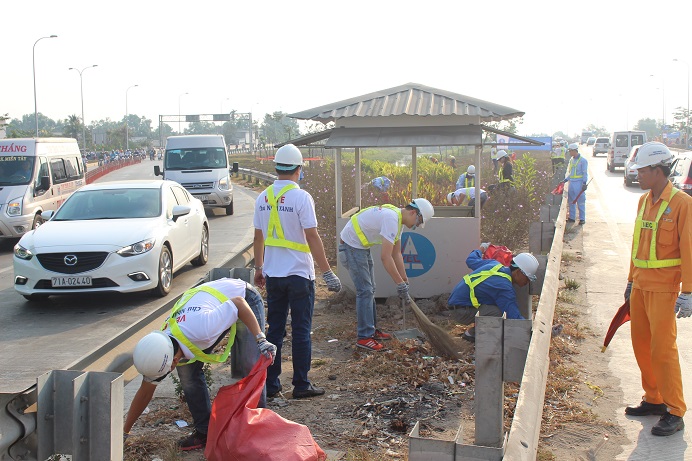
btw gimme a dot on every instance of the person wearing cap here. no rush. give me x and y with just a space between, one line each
578 177
659 286
466 196
467 179
286 241
488 289
504 175
381 183
199 321
378 225
558 155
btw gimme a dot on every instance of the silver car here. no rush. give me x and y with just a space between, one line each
601 146
630 174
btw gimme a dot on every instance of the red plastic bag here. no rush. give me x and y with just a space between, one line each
559 189
498 253
239 431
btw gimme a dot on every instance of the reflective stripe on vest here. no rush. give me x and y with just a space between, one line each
469 182
501 176
573 169
479 277
361 236
639 224
559 153
177 333
275 223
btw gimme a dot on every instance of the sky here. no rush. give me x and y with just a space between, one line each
565 64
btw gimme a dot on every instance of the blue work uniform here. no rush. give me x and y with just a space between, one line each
466 181
578 176
495 290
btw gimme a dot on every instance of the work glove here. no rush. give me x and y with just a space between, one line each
402 290
566 179
583 186
484 247
332 281
267 349
628 291
683 306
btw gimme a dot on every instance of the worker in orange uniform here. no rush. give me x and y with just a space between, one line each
659 286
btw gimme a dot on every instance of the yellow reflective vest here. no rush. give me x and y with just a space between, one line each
275 223
359 232
474 279
639 225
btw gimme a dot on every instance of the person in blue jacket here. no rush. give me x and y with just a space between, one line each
578 177
488 290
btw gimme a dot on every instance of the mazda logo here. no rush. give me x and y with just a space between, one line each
70 260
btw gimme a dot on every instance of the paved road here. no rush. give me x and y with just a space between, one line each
610 212
36 338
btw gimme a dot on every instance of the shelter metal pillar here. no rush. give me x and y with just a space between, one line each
414 173
338 184
477 183
358 179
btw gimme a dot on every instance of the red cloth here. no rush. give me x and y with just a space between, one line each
499 254
239 431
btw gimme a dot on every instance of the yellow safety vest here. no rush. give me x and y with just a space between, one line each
469 182
275 223
361 236
559 153
479 277
177 333
501 176
639 224
573 168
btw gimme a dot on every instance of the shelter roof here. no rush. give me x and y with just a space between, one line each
410 99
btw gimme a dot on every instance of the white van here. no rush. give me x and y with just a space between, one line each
36 175
200 164
620 146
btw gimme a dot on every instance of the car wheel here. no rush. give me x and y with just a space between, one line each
36 297
165 273
628 182
203 256
611 167
229 209
38 220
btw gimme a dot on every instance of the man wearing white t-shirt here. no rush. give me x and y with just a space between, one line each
286 239
378 225
200 320
466 196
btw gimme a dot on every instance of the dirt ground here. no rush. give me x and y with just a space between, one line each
373 399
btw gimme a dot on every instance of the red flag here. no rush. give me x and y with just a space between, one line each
559 189
621 317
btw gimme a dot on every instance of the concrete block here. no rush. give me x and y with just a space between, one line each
489 385
517 336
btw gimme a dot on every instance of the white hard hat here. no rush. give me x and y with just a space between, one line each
502 153
471 170
288 155
651 154
449 198
153 355
527 263
425 207
573 146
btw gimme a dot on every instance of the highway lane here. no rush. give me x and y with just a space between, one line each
38 337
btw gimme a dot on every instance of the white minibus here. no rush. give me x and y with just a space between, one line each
36 175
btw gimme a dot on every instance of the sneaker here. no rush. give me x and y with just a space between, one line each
369 344
194 441
380 335
668 425
646 409
311 391
570 220
271 395
468 337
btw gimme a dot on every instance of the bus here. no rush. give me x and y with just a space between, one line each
585 135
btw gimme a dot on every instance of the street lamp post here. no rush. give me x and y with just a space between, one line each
179 110
81 91
127 135
33 59
687 125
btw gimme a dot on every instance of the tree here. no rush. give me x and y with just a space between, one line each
651 126
597 130
560 134
278 127
72 127
681 116
26 127
201 128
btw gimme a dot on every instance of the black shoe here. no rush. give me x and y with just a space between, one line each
271 395
668 425
194 441
311 391
468 337
646 409
570 220
582 222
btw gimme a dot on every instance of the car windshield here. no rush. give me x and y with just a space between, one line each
16 169
195 158
110 204
602 140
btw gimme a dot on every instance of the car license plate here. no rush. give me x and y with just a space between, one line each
202 198
82 281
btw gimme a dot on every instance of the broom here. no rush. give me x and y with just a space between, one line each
439 339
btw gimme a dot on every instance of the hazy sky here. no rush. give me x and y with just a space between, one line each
566 64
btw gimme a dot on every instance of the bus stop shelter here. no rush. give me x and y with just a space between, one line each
413 116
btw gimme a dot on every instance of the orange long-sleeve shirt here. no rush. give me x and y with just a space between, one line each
673 240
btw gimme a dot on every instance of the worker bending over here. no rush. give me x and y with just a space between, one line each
659 285
488 290
201 319
378 225
466 196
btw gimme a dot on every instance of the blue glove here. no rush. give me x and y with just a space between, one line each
332 281
628 291
402 290
683 305
267 349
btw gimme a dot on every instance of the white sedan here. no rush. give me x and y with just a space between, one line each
120 236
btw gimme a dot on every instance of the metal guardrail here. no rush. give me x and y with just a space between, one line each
260 176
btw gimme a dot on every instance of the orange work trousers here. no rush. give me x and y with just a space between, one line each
654 332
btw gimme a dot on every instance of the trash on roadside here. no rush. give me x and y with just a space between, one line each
181 423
